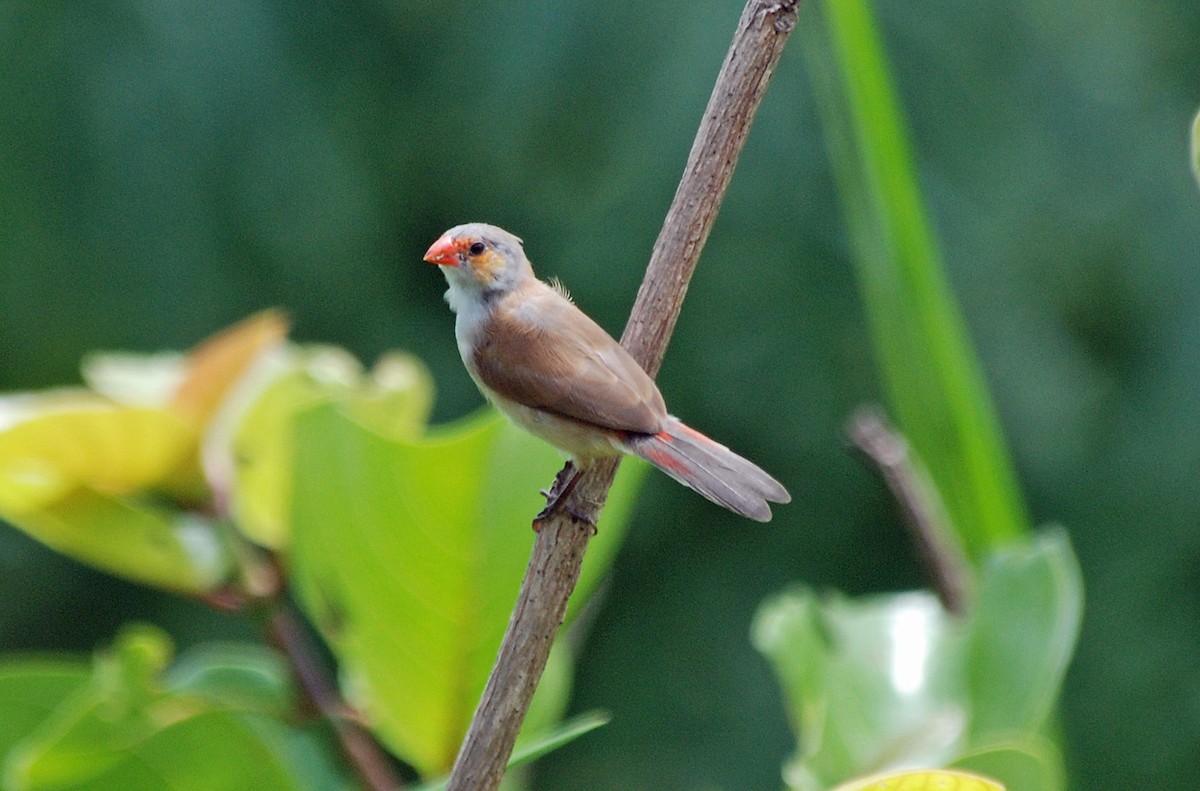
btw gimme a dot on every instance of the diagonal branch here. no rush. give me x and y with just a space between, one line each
559 548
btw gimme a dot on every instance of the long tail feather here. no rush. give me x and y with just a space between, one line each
709 468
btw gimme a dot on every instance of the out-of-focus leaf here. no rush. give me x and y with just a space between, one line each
541 744
234 676
125 726
923 780
215 366
146 380
30 690
92 443
408 556
931 376
1024 624
1196 148
251 457
872 684
132 539
1032 765
893 681
89 733
210 751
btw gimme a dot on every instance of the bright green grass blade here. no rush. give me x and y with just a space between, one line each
932 380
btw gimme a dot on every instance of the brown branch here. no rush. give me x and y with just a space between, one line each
560 544
919 503
363 753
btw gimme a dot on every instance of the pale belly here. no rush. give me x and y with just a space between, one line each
579 441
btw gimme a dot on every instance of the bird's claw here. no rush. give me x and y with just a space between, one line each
556 495
576 516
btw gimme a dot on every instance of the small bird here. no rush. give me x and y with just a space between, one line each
556 373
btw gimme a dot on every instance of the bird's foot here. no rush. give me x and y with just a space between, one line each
556 499
555 492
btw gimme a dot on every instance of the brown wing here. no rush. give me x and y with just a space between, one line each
540 350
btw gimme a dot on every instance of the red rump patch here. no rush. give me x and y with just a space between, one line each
661 458
683 428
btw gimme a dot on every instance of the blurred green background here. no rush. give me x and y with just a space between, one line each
169 167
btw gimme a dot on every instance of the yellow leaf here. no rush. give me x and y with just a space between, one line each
87 442
923 780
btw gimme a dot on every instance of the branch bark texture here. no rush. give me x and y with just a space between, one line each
919 502
559 547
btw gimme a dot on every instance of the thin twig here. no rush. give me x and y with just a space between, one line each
560 544
919 502
363 753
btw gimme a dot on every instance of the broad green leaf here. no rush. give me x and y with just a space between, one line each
894 681
210 751
541 744
250 455
1023 628
872 685
408 554
1196 148
923 780
90 731
931 377
235 676
30 690
130 538
1031 765
131 724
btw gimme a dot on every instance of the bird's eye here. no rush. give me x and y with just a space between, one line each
477 248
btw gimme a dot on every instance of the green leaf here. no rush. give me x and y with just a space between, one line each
30 691
871 684
137 540
544 743
211 751
1196 148
131 724
1023 629
931 377
1029 765
234 676
408 554
893 681
254 448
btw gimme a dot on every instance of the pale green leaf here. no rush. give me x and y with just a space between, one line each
133 539
1196 148
892 682
1023 628
133 724
408 556
872 684
1031 764
251 449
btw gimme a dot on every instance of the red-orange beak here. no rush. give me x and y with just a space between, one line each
444 252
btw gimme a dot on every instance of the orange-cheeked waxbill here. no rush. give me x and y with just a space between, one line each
558 374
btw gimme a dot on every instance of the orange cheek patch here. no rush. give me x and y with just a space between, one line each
485 266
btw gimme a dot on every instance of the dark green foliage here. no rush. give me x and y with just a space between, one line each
166 168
